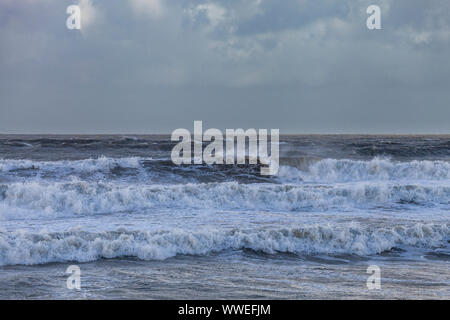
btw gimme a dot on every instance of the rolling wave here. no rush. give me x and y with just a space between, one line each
73 166
32 199
383 169
298 169
80 246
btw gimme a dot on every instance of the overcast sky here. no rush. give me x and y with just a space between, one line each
148 66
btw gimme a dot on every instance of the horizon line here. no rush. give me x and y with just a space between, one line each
281 134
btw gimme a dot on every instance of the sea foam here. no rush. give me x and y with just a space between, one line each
34 199
21 247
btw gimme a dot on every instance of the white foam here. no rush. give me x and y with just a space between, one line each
20 247
38 198
322 171
382 169
85 166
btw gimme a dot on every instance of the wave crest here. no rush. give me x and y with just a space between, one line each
31 199
333 170
37 248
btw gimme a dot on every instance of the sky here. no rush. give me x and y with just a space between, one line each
152 66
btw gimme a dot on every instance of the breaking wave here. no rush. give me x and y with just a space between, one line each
333 170
71 166
25 248
31 199
297 170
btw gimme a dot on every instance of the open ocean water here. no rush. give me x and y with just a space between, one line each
140 227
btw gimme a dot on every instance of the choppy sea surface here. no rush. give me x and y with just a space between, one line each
139 226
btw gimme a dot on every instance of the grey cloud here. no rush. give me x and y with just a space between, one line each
299 65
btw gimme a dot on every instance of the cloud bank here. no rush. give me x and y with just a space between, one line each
153 65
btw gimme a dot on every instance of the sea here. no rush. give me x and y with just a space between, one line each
140 227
